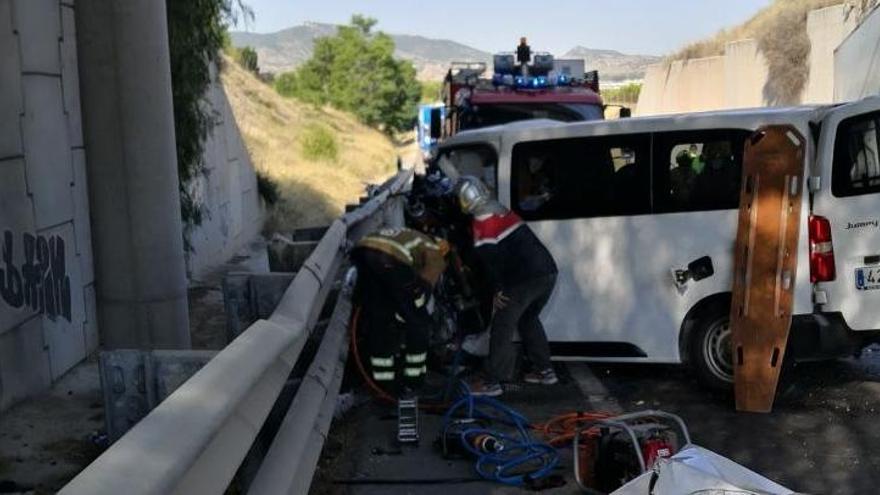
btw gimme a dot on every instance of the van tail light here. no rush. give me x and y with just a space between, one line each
822 266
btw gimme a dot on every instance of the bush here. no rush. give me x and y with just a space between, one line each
628 93
356 71
247 58
318 143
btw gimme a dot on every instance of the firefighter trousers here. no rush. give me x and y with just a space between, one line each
395 315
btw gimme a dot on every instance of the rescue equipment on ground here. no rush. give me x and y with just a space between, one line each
609 452
408 420
498 438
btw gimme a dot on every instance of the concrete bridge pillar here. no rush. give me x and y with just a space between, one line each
128 120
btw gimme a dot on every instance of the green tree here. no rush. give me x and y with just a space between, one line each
355 70
247 58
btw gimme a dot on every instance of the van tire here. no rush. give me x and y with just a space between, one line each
712 364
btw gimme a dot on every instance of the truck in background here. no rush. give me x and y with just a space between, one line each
523 86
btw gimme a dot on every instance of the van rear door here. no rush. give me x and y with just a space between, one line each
847 207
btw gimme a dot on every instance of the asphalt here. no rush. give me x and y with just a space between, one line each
821 437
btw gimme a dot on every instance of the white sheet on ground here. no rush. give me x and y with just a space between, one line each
695 470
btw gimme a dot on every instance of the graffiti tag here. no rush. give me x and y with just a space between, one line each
41 282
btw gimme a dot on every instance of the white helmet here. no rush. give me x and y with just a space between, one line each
471 193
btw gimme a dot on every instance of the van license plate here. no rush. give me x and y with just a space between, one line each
868 278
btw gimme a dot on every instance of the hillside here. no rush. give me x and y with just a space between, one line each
286 49
611 64
276 130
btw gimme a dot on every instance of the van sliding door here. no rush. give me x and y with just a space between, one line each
586 199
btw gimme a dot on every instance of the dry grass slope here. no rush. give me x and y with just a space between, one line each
279 133
781 32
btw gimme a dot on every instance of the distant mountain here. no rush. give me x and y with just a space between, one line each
611 64
286 49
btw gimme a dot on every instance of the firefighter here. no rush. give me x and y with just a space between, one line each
397 272
522 274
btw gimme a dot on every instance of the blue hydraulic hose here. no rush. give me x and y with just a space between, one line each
519 448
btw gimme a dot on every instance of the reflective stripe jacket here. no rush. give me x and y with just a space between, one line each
423 253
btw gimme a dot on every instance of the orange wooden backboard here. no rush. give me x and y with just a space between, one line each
765 262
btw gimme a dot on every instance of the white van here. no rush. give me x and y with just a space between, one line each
633 209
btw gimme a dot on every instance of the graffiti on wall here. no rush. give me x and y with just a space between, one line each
40 282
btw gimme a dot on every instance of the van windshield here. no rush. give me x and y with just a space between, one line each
496 114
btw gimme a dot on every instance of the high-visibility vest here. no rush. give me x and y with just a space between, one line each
425 254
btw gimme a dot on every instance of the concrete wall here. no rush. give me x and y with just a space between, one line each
737 79
229 192
745 74
857 62
733 80
47 289
47 297
827 28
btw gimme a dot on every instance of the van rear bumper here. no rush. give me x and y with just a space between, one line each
819 336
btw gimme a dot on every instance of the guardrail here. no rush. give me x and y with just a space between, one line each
196 439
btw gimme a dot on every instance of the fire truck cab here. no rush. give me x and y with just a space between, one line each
523 86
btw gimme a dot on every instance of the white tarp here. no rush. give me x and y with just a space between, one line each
695 470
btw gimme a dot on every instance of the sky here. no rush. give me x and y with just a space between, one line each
652 27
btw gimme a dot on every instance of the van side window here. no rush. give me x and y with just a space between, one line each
581 177
697 171
479 161
856 168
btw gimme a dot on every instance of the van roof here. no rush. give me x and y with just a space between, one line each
745 118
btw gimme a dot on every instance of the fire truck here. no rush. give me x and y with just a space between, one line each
523 85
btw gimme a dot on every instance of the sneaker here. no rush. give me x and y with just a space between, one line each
484 388
545 377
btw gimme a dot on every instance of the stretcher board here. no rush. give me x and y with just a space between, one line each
765 262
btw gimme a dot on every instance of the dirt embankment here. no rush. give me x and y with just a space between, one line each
320 158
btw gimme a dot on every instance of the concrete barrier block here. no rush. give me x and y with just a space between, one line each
288 256
62 304
172 368
124 382
266 291
82 225
39 28
10 86
16 221
47 151
24 363
70 78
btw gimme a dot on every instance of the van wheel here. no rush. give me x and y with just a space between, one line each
711 348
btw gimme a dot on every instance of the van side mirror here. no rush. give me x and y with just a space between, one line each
625 112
